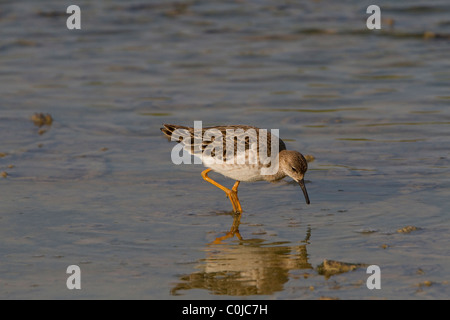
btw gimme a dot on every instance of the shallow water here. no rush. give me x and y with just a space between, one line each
97 188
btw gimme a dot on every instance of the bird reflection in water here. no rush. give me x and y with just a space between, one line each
247 267
234 230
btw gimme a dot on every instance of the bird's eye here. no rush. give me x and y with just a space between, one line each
293 169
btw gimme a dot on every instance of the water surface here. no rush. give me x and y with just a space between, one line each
97 187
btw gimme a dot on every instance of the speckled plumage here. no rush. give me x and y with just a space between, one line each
245 159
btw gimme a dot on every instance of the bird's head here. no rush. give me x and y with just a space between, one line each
294 165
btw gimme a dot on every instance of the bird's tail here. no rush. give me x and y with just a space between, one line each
170 128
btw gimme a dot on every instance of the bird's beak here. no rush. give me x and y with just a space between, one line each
305 193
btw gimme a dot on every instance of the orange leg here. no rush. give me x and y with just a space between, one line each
234 196
231 194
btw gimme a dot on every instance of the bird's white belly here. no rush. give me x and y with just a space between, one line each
243 167
237 172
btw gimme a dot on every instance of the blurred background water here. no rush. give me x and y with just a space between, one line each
97 188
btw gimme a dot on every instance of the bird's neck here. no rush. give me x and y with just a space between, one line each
275 177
